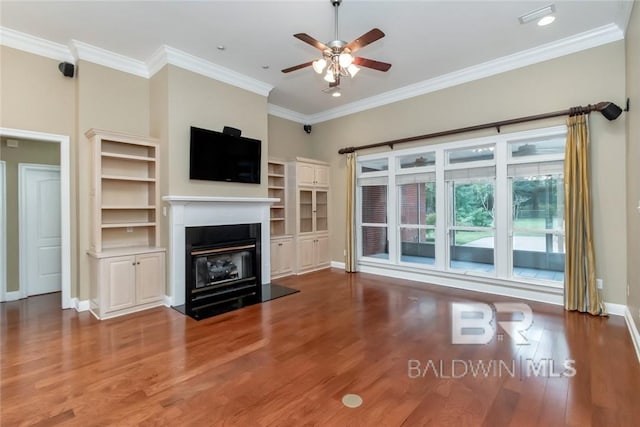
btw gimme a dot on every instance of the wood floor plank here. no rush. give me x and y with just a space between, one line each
290 361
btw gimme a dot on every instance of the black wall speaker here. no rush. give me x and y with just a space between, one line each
231 131
66 68
307 128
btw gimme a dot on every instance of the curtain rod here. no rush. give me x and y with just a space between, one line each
608 109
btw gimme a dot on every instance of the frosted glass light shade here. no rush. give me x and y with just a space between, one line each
353 70
329 77
345 60
319 64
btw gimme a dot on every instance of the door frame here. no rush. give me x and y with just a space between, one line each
65 200
23 170
3 230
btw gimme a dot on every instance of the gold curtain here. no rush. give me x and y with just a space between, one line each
580 293
350 261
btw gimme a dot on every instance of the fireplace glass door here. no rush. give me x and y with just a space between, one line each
218 267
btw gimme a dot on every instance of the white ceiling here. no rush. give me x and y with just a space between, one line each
424 39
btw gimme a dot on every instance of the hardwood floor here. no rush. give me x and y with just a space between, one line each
288 362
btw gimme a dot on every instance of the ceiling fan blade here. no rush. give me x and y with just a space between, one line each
365 39
310 40
370 63
297 67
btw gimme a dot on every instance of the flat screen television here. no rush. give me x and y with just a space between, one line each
216 156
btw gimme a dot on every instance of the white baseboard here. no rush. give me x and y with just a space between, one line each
80 305
633 331
167 301
336 264
477 284
12 296
615 309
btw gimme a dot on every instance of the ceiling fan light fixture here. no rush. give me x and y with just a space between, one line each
345 59
353 70
319 64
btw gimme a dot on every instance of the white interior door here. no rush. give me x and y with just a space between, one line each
40 231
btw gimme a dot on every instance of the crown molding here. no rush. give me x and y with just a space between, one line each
35 45
284 113
586 40
86 52
169 55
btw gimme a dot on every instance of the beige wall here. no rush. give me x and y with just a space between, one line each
195 100
111 100
35 96
288 140
38 152
576 79
633 162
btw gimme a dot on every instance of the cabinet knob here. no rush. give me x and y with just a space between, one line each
133 263
138 263
279 244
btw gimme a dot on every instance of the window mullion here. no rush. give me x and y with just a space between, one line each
502 252
392 212
442 221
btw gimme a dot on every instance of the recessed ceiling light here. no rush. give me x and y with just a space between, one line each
336 94
221 47
265 67
537 14
546 20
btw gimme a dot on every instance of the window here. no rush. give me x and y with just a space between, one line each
375 243
488 207
537 212
417 218
471 230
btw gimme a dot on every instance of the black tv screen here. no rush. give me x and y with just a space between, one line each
216 156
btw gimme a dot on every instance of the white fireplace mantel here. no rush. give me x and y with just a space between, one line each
194 211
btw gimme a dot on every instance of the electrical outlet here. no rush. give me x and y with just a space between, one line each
164 211
129 229
599 283
345 252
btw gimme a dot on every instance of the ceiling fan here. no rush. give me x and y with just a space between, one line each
337 56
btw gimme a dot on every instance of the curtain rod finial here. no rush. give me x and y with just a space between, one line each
609 110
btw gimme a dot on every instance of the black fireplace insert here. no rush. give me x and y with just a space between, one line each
222 268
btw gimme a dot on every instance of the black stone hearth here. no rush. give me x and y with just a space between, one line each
270 292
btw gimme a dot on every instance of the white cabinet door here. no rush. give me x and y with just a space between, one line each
287 256
306 253
282 257
322 251
305 174
119 279
321 174
149 277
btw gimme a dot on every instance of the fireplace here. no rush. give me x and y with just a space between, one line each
223 268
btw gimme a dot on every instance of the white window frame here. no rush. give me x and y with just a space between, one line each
503 227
